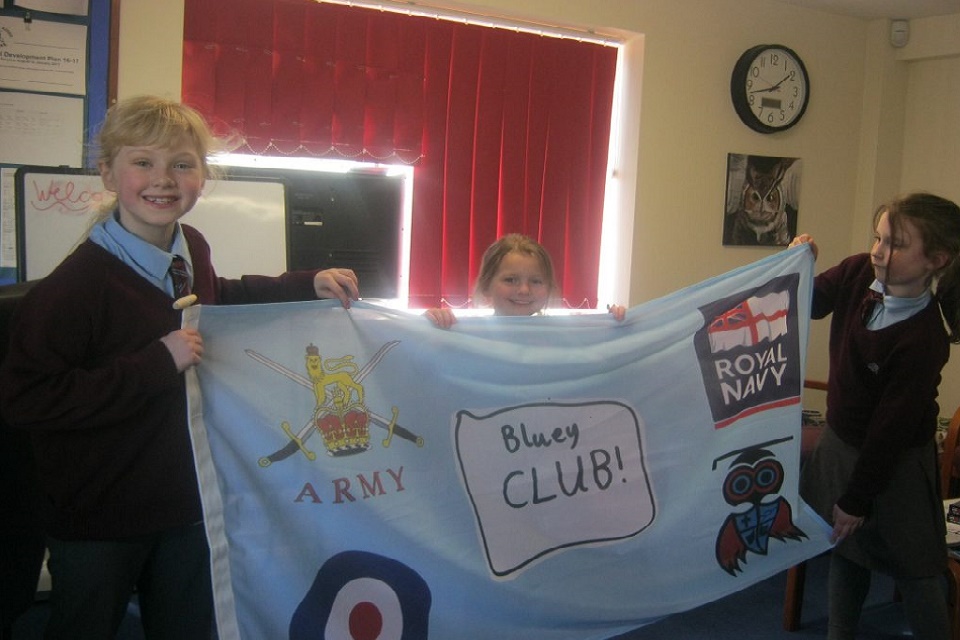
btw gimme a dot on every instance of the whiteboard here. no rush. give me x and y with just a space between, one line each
243 220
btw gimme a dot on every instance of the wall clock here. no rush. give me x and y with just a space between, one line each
770 88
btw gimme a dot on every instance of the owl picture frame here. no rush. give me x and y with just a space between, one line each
763 200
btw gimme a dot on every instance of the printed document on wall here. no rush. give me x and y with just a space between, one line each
8 219
41 55
41 130
68 7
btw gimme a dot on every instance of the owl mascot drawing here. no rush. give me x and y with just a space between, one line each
755 474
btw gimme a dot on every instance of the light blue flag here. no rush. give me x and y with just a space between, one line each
366 475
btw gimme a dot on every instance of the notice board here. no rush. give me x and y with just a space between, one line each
243 220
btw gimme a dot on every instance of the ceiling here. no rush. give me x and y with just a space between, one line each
905 9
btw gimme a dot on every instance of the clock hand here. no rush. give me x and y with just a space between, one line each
775 87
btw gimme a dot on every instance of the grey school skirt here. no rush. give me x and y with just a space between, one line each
904 534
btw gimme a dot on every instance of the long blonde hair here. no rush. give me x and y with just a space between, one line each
146 121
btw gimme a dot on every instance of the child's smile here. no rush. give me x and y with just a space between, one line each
519 287
155 187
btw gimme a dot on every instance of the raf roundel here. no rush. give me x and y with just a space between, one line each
364 596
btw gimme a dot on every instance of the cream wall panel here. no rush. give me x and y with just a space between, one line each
931 159
151 48
931 148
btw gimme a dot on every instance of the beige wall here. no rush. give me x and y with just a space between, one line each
880 121
930 156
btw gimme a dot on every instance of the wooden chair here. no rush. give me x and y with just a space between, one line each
797 574
949 477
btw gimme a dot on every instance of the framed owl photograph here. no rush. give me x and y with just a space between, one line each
763 200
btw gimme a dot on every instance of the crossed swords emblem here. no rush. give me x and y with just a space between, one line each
298 439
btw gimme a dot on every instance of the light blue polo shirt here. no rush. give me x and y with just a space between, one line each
149 261
894 310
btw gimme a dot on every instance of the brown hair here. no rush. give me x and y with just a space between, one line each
938 221
513 243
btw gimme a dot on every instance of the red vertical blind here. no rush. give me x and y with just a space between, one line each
508 131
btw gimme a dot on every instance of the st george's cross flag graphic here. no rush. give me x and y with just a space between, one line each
753 320
366 475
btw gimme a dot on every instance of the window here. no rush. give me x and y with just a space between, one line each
507 131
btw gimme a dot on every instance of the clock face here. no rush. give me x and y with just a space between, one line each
770 88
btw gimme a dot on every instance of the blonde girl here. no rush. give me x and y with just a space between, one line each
95 375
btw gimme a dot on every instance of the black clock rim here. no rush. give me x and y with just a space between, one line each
739 76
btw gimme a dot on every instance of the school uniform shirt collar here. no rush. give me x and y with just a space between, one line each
894 309
150 262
